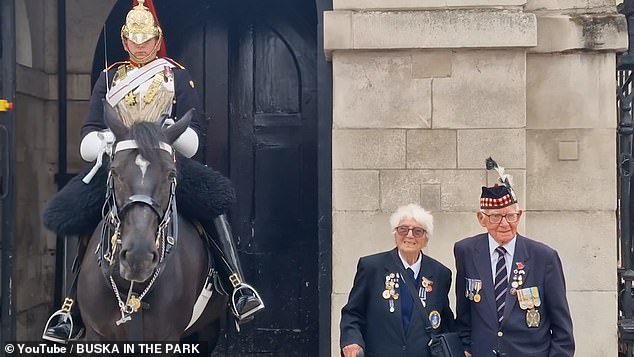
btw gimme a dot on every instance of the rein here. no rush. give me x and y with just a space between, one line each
166 234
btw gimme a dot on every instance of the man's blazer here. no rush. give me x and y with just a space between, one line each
477 321
367 320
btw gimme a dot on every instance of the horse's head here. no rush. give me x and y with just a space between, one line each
143 179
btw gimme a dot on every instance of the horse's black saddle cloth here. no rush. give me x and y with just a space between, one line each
201 193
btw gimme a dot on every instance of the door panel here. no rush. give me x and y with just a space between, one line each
255 66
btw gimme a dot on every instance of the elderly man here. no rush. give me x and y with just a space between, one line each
510 290
381 317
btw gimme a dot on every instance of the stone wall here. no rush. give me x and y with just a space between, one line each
424 91
37 140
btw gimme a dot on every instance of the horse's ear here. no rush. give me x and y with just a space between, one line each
112 121
174 131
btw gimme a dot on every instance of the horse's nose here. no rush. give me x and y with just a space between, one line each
129 256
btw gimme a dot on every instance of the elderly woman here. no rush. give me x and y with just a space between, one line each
382 317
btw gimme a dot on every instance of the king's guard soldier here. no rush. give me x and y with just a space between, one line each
149 87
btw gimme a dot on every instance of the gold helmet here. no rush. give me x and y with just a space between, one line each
140 25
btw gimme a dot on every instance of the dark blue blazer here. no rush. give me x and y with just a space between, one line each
366 319
477 322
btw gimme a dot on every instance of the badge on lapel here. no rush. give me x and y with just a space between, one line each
519 275
390 292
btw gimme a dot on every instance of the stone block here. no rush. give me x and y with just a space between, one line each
337 30
431 63
443 29
555 185
486 88
506 146
368 149
559 33
597 309
420 4
431 149
78 86
354 235
459 189
355 190
34 83
570 91
532 5
586 243
378 90
430 197
568 150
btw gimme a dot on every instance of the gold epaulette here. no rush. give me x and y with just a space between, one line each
175 63
115 64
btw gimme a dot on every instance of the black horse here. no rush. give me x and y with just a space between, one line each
152 264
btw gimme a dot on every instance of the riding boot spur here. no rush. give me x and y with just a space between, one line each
245 300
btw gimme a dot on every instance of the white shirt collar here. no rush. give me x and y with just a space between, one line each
510 246
416 266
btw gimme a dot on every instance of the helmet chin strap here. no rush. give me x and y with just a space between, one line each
151 56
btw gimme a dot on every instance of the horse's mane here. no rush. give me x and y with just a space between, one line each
147 136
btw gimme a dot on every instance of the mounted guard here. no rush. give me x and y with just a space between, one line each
147 87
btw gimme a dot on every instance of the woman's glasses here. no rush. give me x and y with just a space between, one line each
417 232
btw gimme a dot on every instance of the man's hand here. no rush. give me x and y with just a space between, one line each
351 350
467 354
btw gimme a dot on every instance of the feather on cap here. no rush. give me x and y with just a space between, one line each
500 195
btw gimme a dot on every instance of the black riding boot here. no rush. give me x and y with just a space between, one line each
68 325
65 324
245 301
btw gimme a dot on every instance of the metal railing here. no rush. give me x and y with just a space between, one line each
625 166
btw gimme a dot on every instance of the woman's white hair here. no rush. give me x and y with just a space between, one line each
416 212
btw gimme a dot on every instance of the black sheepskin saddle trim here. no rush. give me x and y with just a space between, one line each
201 194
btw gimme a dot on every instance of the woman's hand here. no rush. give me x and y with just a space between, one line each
351 350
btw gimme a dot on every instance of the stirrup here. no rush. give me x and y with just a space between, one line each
234 308
61 315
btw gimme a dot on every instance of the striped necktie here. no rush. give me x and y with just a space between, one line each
501 283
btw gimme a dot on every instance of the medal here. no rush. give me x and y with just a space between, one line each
532 318
535 294
477 285
391 302
386 294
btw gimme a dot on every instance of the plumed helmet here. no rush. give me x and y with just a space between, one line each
140 24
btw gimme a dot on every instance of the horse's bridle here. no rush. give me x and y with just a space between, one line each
111 230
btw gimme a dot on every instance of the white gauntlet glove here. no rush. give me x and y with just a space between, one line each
94 144
187 143
92 148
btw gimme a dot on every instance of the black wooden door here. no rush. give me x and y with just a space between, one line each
7 169
255 64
